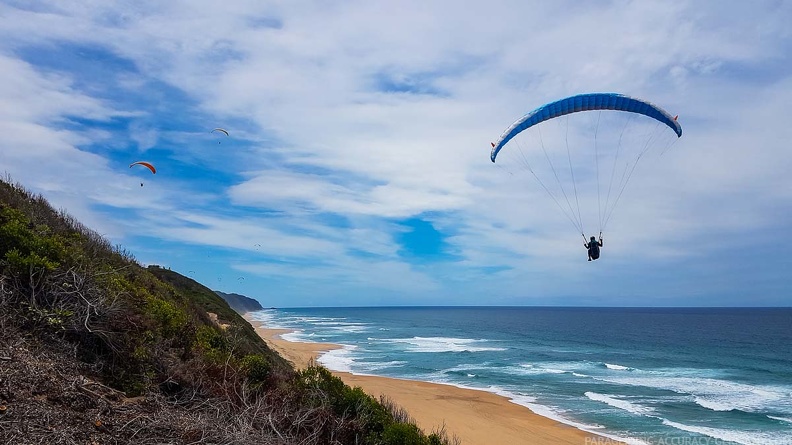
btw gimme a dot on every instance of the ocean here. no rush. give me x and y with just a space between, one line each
645 376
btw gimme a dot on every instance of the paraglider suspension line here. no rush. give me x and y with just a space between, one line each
546 189
572 173
596 162
579 222
627 175
607 209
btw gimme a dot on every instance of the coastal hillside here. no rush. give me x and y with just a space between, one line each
95 348
240 303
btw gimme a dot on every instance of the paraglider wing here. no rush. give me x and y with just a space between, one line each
585 102
220 130
145 164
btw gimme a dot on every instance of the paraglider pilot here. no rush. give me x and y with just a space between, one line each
593 247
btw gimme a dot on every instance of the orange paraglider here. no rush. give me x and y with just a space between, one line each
148 165
144 164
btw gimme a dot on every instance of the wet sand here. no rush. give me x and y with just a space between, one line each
475 417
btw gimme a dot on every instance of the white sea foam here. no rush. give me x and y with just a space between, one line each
741 437
377 366
309 320
713 404
339 323
339 359
297 336
558 415
710 393
347 329
783 419
547 368
444 344
617 367
274 319
341 326
622 404
446 376
268 318
529 369
467 367
348 359
301 336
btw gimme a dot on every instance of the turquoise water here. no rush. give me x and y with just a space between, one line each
646 376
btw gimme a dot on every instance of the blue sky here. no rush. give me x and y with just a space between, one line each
357 168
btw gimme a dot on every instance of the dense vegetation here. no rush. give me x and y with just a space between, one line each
95 348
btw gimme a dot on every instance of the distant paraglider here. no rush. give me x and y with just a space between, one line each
148 165
220 130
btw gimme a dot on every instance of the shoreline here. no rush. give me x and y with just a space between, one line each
476 417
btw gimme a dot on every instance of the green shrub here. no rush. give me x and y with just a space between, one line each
257 368
320 386
403 434
319 378
373 415
212 344
141 353
27 249
21 263
171 319
434 439
208 337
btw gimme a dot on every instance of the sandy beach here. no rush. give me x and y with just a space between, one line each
475 417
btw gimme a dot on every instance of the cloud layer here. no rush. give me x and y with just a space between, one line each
349 120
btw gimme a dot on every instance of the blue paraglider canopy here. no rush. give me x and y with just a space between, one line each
585 102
